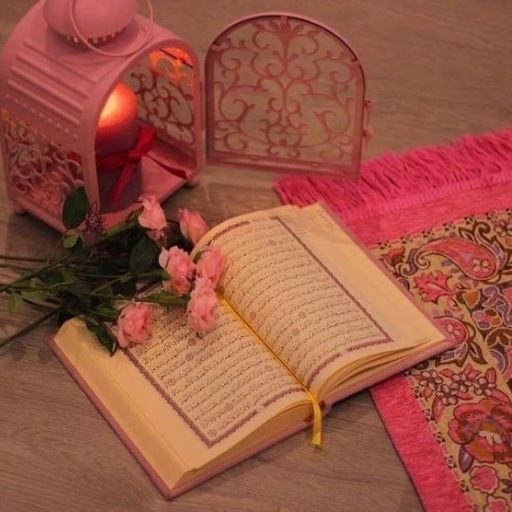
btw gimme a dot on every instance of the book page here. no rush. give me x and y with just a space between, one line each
298 285
217 382
211 393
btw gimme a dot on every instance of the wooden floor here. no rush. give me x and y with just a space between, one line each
436 70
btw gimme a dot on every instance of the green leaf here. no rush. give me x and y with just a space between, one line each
134 214
107 289
39 297
127 290
71 283
36 296
78 246
49 277
103 335
69 241
14 303
68 275
107 312
125 278
143 255
75 208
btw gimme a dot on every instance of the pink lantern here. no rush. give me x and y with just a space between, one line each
93 94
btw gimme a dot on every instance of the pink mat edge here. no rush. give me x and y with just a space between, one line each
423 459
438 489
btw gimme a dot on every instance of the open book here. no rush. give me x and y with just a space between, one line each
306 318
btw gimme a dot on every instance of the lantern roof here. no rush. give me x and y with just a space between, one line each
61 88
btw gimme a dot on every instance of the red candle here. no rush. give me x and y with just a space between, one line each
116 133
119 123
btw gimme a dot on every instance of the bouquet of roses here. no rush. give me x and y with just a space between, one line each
98 275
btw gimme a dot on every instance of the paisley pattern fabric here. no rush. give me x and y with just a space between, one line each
462 273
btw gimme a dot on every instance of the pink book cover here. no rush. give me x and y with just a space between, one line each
372 379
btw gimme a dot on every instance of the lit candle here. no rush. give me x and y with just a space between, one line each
117 133
119 123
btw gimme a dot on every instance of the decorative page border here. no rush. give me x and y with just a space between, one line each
163 393
183 415
208 441
385 339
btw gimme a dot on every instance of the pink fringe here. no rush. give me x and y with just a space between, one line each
393 182
414 219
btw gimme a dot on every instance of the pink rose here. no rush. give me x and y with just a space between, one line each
192 225
152 216
180 267
496 505
211 265
201 308
484 478
134 324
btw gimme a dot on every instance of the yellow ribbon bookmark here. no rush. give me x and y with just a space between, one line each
316 438
317 421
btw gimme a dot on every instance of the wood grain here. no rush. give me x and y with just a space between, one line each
436 70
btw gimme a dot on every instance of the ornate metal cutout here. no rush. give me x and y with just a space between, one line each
38 168
164 85
284 92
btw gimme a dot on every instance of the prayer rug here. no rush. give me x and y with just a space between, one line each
440 220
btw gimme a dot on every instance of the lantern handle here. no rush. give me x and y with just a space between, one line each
84 40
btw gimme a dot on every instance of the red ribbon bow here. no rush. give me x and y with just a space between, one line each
128 160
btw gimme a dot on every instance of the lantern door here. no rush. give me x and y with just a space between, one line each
285 93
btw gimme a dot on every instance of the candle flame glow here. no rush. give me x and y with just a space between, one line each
120 106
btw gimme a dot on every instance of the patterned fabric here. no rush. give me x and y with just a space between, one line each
462 273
